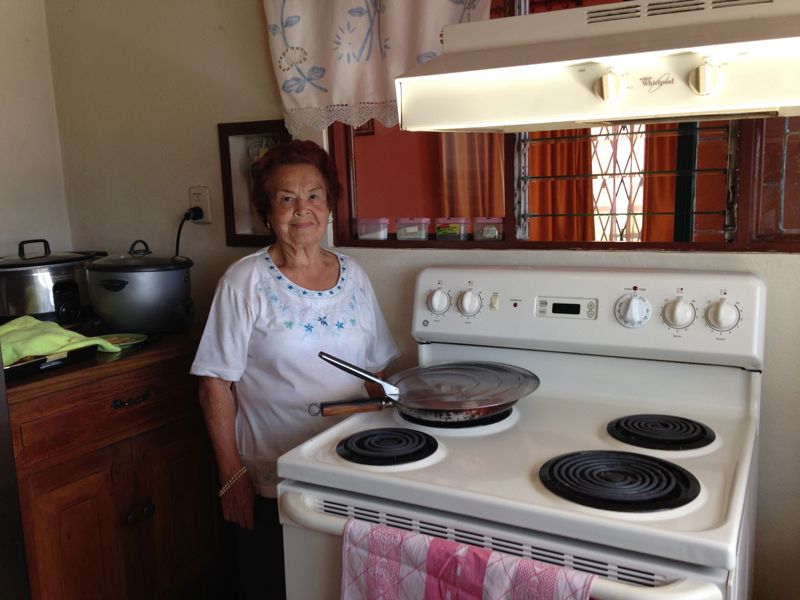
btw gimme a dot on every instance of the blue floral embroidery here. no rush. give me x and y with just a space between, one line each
425 57
293 56
467 6
302 292
346 41
312 323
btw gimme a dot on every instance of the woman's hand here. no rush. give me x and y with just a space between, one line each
219 412
237 502
374 390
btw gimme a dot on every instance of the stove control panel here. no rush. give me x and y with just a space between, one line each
699 316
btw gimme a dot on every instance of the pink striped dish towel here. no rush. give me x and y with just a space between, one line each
384 563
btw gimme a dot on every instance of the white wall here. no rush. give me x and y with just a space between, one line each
140 87
30 156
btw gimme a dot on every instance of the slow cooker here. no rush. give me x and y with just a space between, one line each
49 286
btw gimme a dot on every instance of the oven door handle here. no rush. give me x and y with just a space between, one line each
299 510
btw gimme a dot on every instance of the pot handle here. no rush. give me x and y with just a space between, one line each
113 285
348 407
21 248
141 252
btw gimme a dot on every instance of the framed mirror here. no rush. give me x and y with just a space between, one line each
241 145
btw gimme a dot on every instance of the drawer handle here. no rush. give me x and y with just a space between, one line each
136 515
148 511
115 404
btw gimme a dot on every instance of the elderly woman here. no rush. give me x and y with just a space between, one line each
273 312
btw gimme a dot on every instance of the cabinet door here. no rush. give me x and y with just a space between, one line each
74 517
176 489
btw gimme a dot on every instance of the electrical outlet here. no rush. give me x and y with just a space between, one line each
199 196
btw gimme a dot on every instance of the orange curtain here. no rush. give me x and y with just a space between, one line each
472 175
571 196
660 154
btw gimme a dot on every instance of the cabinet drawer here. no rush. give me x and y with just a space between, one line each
98 412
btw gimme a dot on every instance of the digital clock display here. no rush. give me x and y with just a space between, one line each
562 308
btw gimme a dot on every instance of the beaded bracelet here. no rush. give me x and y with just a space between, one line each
232 480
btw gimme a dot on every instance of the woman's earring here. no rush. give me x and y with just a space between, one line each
268 225
330 217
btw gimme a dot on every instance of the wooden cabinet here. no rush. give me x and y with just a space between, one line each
116 478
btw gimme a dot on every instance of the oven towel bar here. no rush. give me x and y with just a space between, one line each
298 509
378 560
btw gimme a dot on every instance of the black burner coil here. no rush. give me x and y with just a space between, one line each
661 432
619 481
387 446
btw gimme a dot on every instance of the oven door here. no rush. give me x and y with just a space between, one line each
314 518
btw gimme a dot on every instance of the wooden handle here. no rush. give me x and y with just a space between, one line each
348 407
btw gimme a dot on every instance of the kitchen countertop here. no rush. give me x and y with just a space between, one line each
101 365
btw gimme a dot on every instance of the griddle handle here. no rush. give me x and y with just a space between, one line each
388 389
348 407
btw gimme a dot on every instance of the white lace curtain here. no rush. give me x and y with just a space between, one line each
336 60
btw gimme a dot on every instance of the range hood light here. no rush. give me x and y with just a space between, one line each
739 61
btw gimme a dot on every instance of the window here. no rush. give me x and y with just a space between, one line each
716 186
756 210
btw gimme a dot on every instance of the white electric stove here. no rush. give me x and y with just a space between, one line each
635 458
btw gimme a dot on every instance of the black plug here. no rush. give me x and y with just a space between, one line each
193 214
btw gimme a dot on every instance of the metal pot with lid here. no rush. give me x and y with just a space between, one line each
139 292
48 286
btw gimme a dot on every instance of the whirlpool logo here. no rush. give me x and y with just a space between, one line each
653 84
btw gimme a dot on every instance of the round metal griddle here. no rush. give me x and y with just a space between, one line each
459 391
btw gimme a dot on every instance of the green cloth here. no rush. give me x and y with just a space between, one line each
27 336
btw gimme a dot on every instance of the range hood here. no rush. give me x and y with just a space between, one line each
633 61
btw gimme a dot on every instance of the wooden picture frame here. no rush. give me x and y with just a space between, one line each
240 147
367 128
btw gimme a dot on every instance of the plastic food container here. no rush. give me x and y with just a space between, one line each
412 228
373 229
487 228
452 228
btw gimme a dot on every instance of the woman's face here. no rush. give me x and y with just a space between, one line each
299 205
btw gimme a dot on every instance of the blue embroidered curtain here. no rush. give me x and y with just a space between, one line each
336 60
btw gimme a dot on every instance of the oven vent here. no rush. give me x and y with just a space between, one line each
660 8
614 13
731 3
487 539
674 6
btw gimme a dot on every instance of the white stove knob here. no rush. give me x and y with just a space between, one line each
608 87
722 315
633 311
438 301
469 303
678 313
703 79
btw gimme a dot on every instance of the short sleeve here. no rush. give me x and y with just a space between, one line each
222 351
381 348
